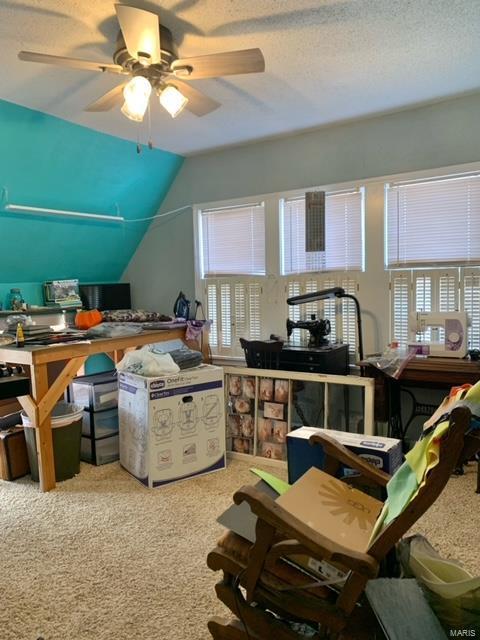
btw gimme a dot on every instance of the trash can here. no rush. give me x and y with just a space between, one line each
67 433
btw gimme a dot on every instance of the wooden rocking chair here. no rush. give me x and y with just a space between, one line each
263 591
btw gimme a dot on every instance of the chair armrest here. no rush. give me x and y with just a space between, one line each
319 545
339 452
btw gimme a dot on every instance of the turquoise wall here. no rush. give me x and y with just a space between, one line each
48 162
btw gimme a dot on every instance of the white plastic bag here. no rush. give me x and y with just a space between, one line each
144 363
447 578
453 593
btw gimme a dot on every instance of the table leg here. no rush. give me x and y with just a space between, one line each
119 354
43 430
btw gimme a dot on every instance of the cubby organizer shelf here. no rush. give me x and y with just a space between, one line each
262 406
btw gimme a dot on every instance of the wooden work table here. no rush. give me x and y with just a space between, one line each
429 373
71 357
440 372
433 372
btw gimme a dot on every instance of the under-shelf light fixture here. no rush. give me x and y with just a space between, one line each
21 208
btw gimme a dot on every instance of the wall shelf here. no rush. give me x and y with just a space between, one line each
37 311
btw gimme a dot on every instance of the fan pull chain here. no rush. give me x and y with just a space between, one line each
150 143
139 148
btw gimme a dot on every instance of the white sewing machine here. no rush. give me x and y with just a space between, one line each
447 331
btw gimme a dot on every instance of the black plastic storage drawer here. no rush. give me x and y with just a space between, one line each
332 359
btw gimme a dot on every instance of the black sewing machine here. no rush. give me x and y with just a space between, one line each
318 329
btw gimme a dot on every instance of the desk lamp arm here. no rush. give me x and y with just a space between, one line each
359 322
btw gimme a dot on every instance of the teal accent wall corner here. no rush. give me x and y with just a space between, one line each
49 162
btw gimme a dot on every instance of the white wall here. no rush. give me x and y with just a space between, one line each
439 135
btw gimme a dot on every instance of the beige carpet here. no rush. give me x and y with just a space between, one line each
102 558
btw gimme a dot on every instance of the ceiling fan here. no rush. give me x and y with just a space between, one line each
145 52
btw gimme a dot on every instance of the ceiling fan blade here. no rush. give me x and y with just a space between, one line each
109 100
141 32
73 63
198 103
220 64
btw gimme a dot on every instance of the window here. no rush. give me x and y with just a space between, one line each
433 222
233 240
343 234
245 298
429 223
251 256
435 290
232 257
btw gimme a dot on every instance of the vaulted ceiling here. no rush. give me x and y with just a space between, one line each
326 61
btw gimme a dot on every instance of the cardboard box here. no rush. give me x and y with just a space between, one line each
327 505
172 427
333 508
384 453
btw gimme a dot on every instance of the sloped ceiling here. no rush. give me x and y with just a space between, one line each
48 162
326 60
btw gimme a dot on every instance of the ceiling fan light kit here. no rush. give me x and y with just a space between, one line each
145 51
173 100
137 95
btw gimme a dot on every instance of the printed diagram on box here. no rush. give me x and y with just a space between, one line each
164 458
188 417
213 447
163 423
211 411
189 452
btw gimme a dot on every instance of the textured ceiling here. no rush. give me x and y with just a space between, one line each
326 61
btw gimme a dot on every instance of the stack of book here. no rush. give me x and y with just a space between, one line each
32 331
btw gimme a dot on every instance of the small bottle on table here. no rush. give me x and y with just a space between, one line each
19 337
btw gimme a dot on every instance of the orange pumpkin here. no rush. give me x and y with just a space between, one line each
87 319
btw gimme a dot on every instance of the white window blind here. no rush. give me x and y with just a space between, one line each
433 222
212 313
235 311
423 301
343 235
226 315
448 290
400 294
233 240
349 322
471 304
